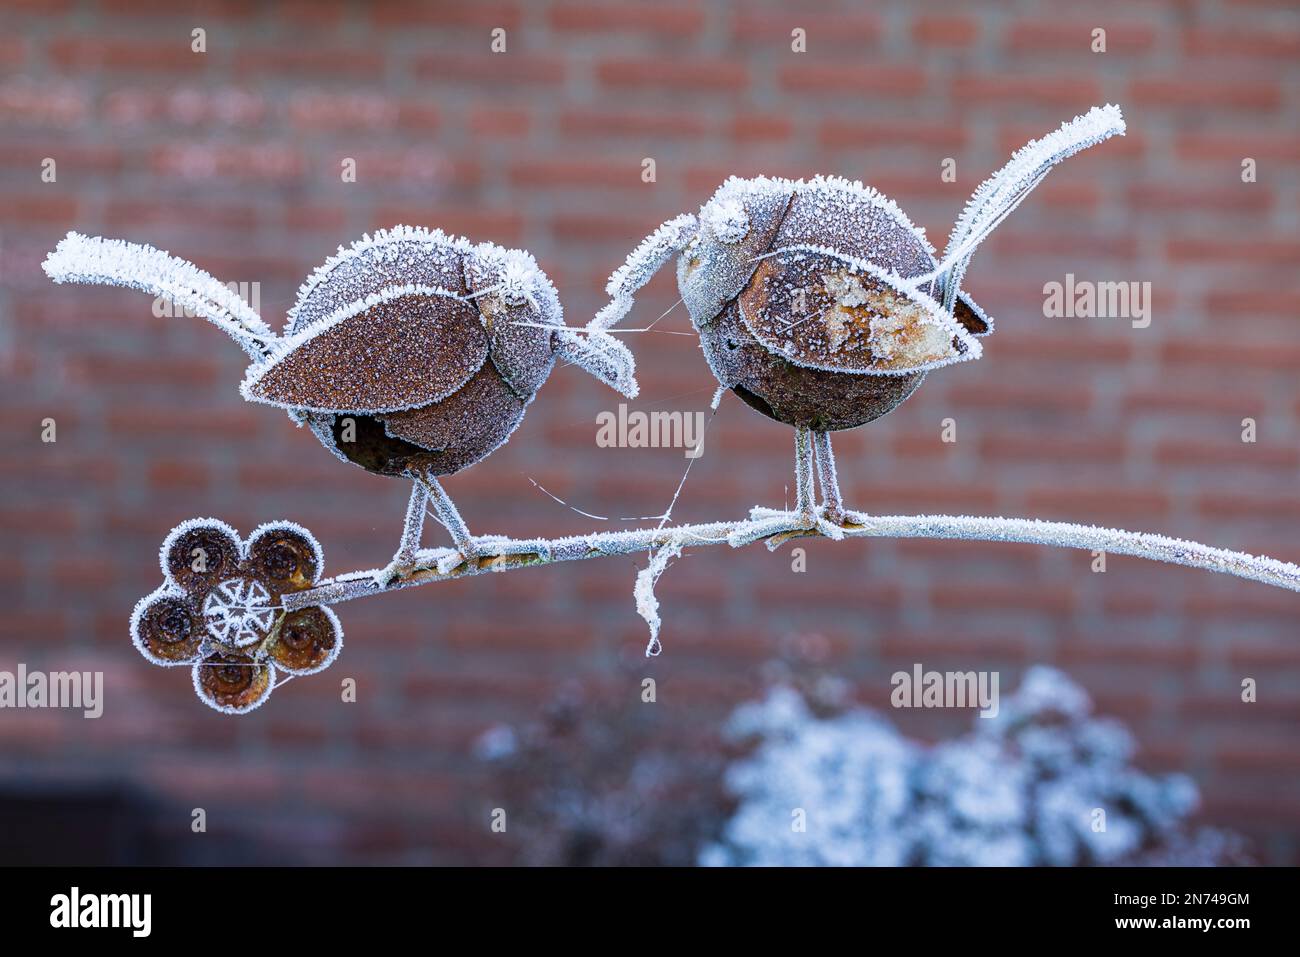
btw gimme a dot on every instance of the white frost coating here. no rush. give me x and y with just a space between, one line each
193 523
287 345
1017 790
281 526
228 709
1004 190
857 190
166 590
727 219
520 278
115 262
642 263
647 605
334 651
601 355
238 611
432 238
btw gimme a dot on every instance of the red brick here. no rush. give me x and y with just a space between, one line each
1202 94
627 122
484 14
1241 455
1214 352
947 31
614 172
656 18
1086 505
94 56
1235 146
491 69
857 30
1198 198
924 134
177 474
500 122
749 127
816 76
1262 250
1076 92
1054 37
1251 44
700 77
42 204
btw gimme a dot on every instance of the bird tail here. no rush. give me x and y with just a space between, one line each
114 262
600 354
1002 192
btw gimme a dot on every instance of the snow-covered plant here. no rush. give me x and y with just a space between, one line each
1045 782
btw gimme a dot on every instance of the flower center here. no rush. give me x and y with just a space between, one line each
238 612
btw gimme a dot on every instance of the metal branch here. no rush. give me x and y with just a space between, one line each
528 553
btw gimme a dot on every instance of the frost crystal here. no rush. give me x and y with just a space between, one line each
238 612
113 262
647 605
727 219
1002 192
1021 790
642 263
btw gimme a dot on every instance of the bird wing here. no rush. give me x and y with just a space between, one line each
826 310
397 349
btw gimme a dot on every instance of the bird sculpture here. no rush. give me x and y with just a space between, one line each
412 354
822 306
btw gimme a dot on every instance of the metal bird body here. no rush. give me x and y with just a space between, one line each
412 353
822 306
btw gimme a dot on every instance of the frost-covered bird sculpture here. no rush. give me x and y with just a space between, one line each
412 354
822 306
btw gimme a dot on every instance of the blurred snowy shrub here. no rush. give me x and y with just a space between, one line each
1024 788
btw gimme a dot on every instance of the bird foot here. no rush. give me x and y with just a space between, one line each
778 526
402 566
486 551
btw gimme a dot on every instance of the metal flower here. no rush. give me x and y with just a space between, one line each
219 610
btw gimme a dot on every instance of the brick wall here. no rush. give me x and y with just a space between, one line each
232 158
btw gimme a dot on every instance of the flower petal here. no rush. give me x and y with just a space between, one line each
285 557
309 641
199 553
166 627
233 683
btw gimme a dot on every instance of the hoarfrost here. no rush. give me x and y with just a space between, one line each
1020 790
642 263
998 195
114 262
647 605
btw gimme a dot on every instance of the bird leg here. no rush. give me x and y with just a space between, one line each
427 492
403 563
832 503
765 522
